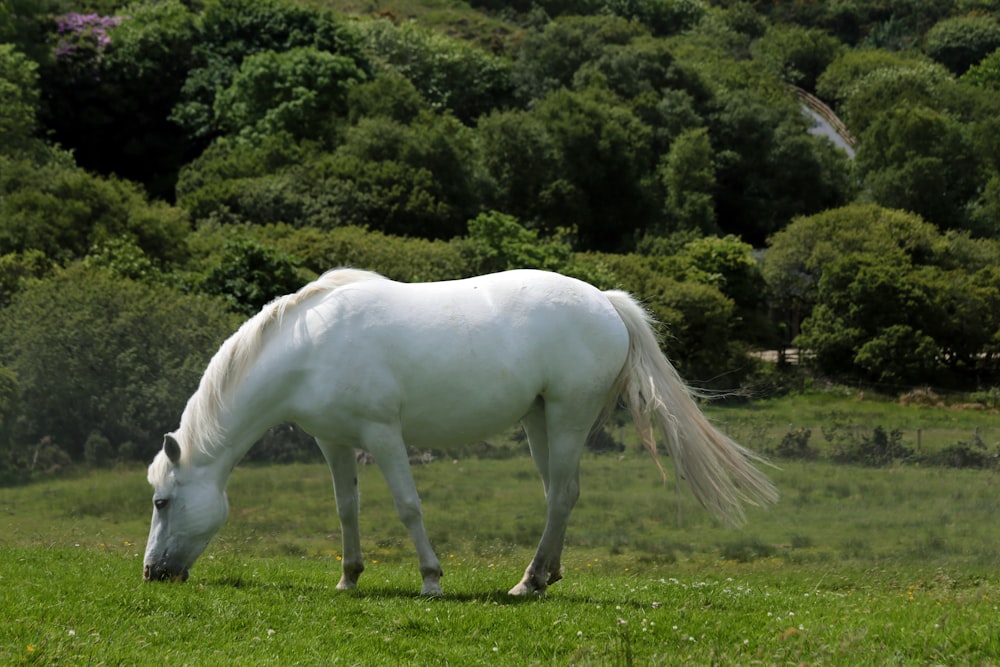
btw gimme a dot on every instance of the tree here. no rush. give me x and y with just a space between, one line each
696 318
799 255
688 176
960 42
420 178
496 242
796 54
9 409
300 93
606 152
395 257
550 58
19 90
249 275
662 17
96 353
729 264
450 73
525 166
836 82
768 168
257 182
917 159
986 73
62 211
111 85
887 88
232 30
865 322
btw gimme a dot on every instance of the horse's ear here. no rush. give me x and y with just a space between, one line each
172 448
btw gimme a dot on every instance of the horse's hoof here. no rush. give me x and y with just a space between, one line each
432 590
525 589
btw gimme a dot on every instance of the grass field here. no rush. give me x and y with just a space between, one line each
854 566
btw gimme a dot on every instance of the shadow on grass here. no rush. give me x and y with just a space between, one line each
378 592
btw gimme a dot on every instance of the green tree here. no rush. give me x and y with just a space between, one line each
9 409
62 211
249 275
257 182
18 269
799 255
300 93
497 242
887 88
19 90
662 17
918 159
836 82
696 319
549 59
865 322
450 73
525 166
419 179
110 87
608 161
986 73
796 54
120 359
960 42
231 30
688 176
387 94
729 264
396 257
768 168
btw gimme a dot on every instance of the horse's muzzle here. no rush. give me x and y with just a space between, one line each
160 573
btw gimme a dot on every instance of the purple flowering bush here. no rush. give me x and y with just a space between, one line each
82 38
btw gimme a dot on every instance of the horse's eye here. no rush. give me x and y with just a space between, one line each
161 503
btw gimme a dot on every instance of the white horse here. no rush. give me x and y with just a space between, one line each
360 361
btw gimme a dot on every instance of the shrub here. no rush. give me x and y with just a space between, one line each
971 454
795 445
875 449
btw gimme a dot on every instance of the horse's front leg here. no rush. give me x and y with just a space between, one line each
344 468
390 455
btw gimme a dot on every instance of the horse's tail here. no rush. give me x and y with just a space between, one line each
720 472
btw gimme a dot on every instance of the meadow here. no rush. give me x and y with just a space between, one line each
854 566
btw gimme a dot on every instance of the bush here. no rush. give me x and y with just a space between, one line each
97 353
875 449
97 450
795 445
971 454
747 550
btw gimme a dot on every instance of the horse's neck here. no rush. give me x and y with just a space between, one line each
245 415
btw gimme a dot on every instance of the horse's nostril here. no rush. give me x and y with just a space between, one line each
146 573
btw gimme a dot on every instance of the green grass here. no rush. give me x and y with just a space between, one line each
853 567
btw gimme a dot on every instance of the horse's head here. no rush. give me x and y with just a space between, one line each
189 508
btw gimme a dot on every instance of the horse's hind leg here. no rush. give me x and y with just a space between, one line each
538 440
344 468
565 447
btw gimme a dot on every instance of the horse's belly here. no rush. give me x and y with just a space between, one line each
462 420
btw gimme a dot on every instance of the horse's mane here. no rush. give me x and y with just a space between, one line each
200 426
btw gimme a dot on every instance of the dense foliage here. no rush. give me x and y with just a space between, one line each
169 166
